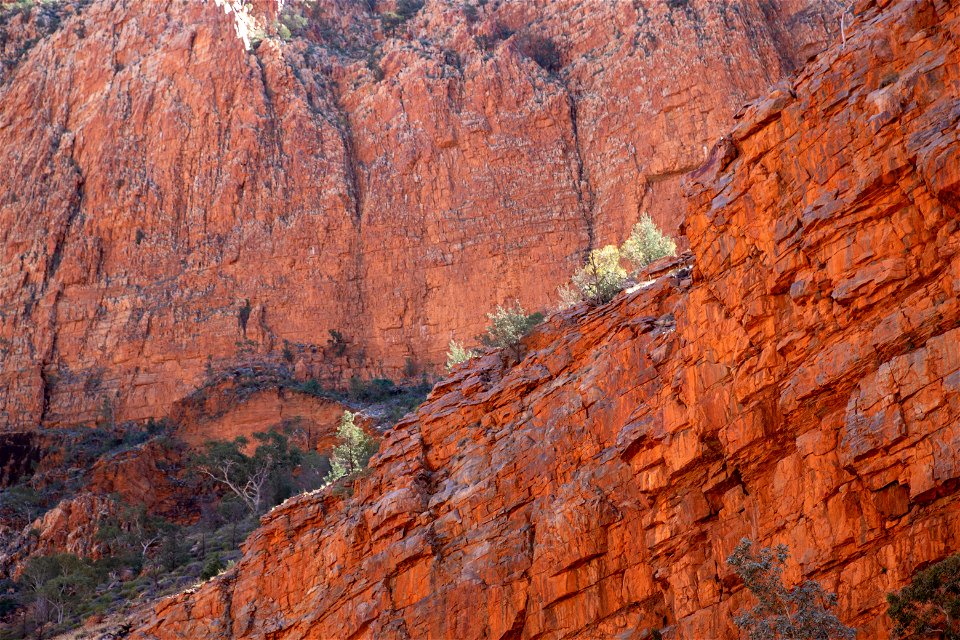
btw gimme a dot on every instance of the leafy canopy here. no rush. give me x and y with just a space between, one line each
929 607
800 613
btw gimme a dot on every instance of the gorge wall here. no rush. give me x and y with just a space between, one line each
794 379
180 199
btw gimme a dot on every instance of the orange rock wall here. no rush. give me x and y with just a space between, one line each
222 413
174 202
797 384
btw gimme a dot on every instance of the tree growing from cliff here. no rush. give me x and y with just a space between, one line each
800 613
647 243
353 451
602 277
929 607
508 326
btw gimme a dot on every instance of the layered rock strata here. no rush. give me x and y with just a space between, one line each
196 185
797 383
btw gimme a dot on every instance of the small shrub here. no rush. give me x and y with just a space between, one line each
800 613
312 387
457 354
602 277
929 607
212 567
353 452
376 390
508 326
291 23
647 243
406 9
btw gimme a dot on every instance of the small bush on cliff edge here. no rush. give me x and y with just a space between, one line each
929 607
457 353
602 277
508 326
647 243
353 451
800 613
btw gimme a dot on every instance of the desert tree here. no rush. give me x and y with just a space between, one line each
929 607
800 613
353 450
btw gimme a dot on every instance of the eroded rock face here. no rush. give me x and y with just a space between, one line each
796 382
175 201
229 409
69 527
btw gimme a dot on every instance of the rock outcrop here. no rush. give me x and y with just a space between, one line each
181 195
230 409
795 381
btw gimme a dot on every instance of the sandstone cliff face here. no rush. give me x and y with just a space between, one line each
175 201
796 382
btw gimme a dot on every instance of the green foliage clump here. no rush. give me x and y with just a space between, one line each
508 326
354 450
375 390
54 585
337 343
406 9
800 613
929 607
291 23
259 479
602 277
22 6
133 533
457 353
647 243
213 566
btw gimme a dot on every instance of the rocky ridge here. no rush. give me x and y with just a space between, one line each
794 380
189 189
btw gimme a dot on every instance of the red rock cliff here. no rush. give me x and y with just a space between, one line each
177 199
798 385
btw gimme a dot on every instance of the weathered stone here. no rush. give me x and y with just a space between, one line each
594 489
178 199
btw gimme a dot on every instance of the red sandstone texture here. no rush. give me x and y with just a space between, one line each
69 527
175 201
797 383
148 475
226 410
